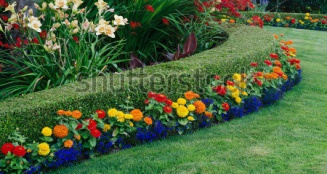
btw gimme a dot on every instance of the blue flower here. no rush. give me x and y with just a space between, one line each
208 101
104 145
252 104
66 156
270 96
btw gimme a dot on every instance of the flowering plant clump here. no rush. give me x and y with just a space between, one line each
58 37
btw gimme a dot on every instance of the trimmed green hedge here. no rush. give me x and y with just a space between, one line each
280 15
30 113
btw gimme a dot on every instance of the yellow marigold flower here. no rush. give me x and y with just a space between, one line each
235 94
128 116
189 95
44 149
190 118
231 88
200 107
106 127
237 77
131 124
112 112
243 85
46 131
249 21
76 114
191 107
182 111
306 18
60 131
238 100
277 20
245 93
223 20
120 116
175 105
68 143
28 150
307 14
181 101
137 114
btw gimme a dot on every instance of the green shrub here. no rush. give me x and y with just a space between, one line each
31 112
280 15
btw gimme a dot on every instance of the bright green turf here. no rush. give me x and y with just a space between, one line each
287 137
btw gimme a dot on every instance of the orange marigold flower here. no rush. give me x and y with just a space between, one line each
61 112
276 36
208 114
196 95
60 131
78 137
76 114
277 63
68 113
137 114
68 143
232 21
200 107
267 76
189 95
277 69
292 50
274 75
285 77
148 120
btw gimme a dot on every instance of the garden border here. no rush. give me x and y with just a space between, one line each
245 45
280 15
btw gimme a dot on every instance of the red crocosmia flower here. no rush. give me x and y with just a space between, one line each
3 4
95 133
25 42
35 40
15 26
168 109
217 77
75 38
19 151
168 102
6 148
43 34
92 124
134 24
160 98
230 83
149 8
225 106
151 94
221 90
79 126
268 62
165 21
101 113
274 56
146 101
254 64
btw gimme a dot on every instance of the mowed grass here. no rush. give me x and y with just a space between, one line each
287 137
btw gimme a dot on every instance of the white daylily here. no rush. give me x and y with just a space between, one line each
34 23
100 29
110 31
119 20
11 7
102 6
61 4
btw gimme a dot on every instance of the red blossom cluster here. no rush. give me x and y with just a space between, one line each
160 98
16 150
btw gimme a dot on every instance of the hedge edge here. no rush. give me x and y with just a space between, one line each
31 112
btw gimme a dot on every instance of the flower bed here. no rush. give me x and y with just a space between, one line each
78 136
291 20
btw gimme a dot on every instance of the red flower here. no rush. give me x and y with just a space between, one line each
15 26
221 90
165 21
146 101
293 21
225 106
35 40
230 83
254 64
274 56
75 38
7 147
4 18
43 34
95 133
3 4
151 94
268 62
19 151
25 41
168 102
101 113
79 126
149 8
134 24
160 98
92 124
217 77
323 22
168 109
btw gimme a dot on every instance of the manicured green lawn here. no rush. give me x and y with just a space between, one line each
287 137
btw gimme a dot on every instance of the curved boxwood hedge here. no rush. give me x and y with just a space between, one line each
31 112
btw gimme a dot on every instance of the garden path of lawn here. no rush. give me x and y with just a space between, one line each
287 137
